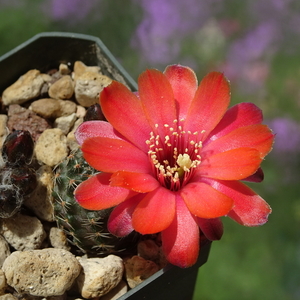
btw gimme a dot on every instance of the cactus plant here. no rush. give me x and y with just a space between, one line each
86 229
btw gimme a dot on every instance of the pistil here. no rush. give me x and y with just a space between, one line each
174 156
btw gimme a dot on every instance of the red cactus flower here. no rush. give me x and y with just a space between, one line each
172 159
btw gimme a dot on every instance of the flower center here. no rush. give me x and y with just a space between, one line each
174 154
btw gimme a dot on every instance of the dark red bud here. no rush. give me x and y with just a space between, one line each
94 112
10 202
258 176
24 179
18 148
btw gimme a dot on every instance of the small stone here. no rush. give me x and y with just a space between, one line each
40 200
99 275
46 77
4 250
26 296
2 282
71 140
3 129
65 123
51 147
20 118
25 88
149 250
66 108
77 123
137 269
60 297
63 88
88 87
45 273
45 87
117 292
58 239
46 108
8 297
80 68
23 232
52 108
80 112
64 69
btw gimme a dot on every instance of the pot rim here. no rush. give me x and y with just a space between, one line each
78 36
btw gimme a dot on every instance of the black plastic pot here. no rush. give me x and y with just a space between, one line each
171 282
47 50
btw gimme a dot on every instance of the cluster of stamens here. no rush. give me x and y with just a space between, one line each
175 155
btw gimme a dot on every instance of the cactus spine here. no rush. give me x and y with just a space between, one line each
86 229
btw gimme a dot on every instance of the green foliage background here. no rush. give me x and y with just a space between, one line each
248 263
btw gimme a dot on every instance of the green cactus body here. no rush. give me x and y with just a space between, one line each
86 229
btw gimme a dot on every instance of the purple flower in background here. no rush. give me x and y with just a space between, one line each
248 58
10 3
164 25
286 151
69 10
287 136
276 10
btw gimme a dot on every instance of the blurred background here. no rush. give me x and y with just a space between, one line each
257 45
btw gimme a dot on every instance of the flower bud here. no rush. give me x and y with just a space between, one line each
10 202
24 179
18 148
94 112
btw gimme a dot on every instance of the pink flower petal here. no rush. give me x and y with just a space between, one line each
95 193
137 182
234 164
156 94
112 155
93 129
155 212
120 219
125 112
212 228
240 115
184 84
204 201
209 105
249 208
259 137
180 241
